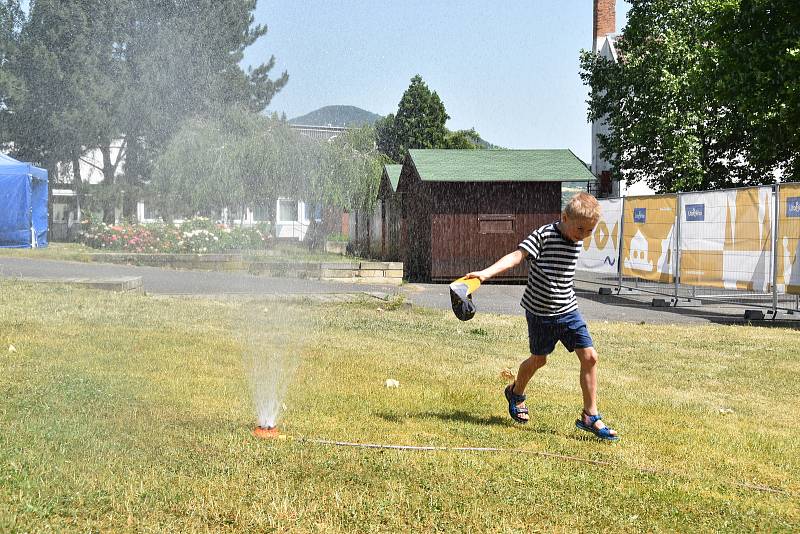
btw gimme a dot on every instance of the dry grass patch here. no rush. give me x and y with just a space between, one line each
125 413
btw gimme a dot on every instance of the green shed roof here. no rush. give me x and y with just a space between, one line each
537 165
393 173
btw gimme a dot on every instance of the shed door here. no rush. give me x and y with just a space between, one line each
461 243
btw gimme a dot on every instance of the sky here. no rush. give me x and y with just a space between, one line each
511 72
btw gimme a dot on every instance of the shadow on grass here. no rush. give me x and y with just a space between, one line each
461 416
457 416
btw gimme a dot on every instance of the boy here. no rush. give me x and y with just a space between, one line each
551 308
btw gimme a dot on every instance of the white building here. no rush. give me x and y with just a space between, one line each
292 217
604 44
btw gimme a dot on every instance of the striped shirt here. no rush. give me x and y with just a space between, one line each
551 271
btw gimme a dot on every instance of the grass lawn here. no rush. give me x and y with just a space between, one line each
123 413
53 251
281 252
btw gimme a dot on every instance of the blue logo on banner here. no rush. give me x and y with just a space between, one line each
695 212
793 207
639 215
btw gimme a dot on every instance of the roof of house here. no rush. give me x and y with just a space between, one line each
392 172
537 165
609 47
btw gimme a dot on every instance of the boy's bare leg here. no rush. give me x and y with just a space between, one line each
526 371
588 378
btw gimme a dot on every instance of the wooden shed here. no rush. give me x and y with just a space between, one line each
389 209
464 209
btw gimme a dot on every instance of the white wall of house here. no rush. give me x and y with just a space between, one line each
65 206
606 48
91 164
292 218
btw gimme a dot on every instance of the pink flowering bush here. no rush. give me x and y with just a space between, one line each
197 235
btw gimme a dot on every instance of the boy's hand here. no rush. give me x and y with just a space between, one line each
477 274
505 263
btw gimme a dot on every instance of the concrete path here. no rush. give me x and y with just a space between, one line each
505 299
491 298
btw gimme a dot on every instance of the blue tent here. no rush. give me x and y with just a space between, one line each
23 204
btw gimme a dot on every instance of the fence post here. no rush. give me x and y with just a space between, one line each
776 213
676 263
621 246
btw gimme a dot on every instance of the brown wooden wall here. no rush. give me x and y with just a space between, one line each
455 228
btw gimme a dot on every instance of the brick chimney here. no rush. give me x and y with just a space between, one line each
605 21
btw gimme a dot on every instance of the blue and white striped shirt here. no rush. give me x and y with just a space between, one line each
551 271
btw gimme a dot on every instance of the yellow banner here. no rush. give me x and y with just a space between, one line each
648 237
726 238
789 238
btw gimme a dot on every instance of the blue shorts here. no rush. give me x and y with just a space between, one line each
545 330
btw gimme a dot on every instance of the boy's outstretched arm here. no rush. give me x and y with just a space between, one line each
509 261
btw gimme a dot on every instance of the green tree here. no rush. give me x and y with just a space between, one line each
235 159
349 172
183 61
68 57
98 72
669 124
462 139
758 78
419 122
11 19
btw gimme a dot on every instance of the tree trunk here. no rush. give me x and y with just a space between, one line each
108 181
77 183
52 173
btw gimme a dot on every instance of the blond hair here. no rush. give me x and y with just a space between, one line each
583 206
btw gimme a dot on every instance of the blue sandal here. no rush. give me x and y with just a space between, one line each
602 433
514 399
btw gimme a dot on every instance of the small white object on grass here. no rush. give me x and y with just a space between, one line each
725 411
391 383
12 348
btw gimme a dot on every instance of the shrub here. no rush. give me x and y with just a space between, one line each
197 235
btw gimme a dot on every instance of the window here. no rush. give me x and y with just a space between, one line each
313 212
150 212
287 210
495 223
260 213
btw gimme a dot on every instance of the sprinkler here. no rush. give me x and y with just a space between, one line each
266 432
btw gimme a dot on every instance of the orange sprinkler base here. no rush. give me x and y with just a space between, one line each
266 432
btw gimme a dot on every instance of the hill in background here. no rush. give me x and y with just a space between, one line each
349 116
345 116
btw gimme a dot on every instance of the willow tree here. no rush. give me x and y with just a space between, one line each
347 177
235 159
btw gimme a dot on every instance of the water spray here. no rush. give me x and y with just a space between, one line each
272 341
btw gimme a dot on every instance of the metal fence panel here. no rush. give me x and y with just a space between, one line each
648 246
740 246
600 252
788 239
